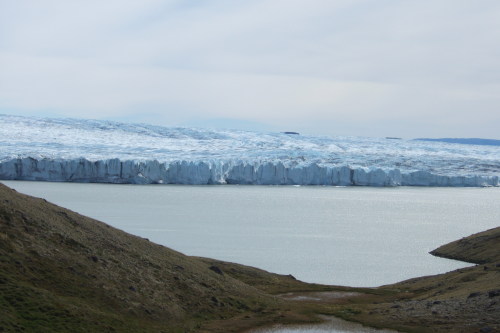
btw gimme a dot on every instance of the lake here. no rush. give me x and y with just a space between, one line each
331 325
355 236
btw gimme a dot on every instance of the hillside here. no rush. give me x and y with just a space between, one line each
63 272
480 248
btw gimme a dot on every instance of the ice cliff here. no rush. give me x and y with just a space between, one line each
97 151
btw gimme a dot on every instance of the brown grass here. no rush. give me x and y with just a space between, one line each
60 272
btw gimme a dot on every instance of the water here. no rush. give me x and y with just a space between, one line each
331 325
356 236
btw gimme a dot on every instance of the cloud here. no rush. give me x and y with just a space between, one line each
359 67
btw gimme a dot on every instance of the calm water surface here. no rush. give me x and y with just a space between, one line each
357 236
331 325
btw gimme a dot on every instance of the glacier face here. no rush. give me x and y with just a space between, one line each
103 151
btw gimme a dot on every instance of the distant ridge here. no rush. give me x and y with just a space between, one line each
465 141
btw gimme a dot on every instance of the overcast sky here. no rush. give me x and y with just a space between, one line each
408 68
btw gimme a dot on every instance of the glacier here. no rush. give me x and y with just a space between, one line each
78 150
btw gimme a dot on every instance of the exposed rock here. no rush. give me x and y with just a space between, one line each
216 269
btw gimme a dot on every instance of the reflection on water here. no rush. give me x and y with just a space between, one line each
321 296
331 325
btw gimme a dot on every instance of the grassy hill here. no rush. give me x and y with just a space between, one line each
480 248
63 272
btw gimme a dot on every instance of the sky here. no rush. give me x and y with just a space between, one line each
404 68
